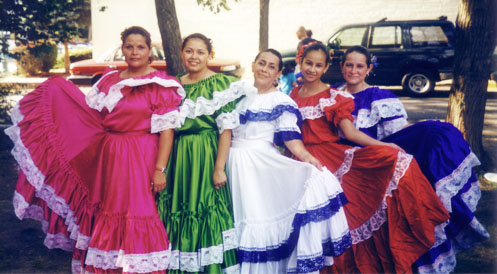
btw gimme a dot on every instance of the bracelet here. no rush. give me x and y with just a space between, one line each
163 170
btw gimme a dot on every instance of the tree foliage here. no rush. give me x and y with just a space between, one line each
34 20
215 5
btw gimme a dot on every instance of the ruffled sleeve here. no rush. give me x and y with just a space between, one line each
287 124
227 117
165 109
337 107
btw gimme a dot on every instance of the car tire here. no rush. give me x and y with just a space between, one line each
95 79
418 82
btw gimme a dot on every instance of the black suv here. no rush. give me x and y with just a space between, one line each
412 53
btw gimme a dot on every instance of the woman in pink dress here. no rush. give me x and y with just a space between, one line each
89 167
393 212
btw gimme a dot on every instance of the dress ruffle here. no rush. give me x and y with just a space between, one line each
302 237
185 224
54 186
48 189
203 106
98 100
122 250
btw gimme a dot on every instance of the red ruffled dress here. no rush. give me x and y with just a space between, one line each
86 165
392 212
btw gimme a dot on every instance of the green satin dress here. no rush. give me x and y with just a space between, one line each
198 218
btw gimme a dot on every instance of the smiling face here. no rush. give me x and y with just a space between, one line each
313 66
266 70
136 51
355 68
195 55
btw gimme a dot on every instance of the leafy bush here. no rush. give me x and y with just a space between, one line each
5 105
37 58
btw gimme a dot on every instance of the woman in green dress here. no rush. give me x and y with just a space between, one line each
196 205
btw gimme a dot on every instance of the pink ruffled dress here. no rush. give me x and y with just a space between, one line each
86 165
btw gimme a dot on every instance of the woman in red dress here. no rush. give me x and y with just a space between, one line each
393 213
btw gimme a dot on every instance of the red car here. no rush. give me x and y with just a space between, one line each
90 70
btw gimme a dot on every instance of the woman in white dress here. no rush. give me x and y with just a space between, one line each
288 214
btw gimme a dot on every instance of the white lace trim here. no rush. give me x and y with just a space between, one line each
472 196
204 106
230 239
449 186
346 164
76 267
195 261
287 121
24 210
444 263
390 127
315 112
37 180
160 122
98 100
384 108
136 263
234 269
365 231
21 153
228 121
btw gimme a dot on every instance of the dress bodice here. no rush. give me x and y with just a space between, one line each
271 117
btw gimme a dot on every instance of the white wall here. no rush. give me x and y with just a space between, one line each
235 33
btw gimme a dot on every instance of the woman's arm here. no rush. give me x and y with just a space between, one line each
298 149
219 177
354 135
165 144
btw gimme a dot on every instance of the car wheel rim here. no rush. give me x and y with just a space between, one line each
419 83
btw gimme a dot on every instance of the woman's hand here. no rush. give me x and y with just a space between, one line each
393 145
219 178
313 161
158 182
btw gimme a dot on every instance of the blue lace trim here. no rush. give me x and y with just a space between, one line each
330 248
270 116
283 250
281 137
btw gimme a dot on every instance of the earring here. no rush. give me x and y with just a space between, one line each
150 60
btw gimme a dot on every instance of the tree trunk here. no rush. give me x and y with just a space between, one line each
475 41
67 62
263 24
170 34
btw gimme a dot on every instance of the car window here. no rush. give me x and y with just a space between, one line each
386 37
118 55
157 53
348 37
424 36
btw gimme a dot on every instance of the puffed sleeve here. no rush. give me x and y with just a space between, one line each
165 108
227 117
287 124
337 107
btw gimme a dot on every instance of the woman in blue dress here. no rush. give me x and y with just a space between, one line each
444 157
